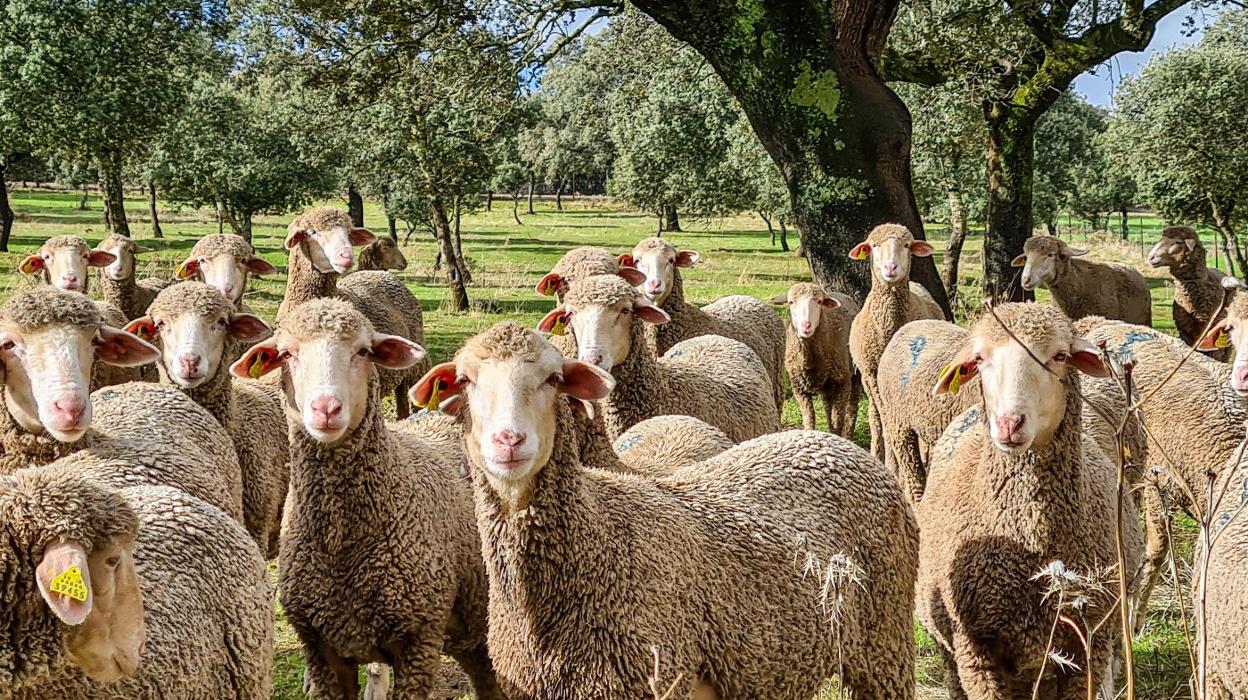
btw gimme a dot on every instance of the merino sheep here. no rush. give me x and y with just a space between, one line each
225 261
320 243
707 563
579 263
739 317
168 600
1014 487
816 355
199 334
892 302
1197 288
663 444
382 254
1226 588
380 561
718 380
1083 288
117 279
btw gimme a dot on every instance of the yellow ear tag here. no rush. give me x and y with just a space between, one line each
862 254
560 327
181 271
955 382
1222 341
70 584
257 365
548 290
433 402
144 332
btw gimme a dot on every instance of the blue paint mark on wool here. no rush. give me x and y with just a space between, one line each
917 344
627 443
1124 350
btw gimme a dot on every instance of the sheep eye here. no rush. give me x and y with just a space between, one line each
555 379
1061 357
362 352
7 345
160 325
112 562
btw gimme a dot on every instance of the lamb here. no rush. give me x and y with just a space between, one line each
738 317
690 562
1014 488
816 355
117 279
1226 589
1082 288
1197 288
380 561
199 334
176 605
320 242
225 261
382 254
892 302
716 379
128 434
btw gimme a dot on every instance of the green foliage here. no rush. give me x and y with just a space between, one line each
1066 154
948 150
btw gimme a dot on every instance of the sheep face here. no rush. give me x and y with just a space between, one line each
62 262
391 257
657 260
507 382
890 247
330 250
603 325
1043 260
806 303
227 272
1177 242
123 251
328 349
1024 401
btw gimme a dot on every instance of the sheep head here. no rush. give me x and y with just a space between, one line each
123 249
1176 245
600 311
657 260
890 247
581 262
1232 330
806 302
1044 259
63 261
327 235
224 261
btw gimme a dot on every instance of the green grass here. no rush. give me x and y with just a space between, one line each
506 261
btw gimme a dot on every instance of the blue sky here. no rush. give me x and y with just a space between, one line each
1098 87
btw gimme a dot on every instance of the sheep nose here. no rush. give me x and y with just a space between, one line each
69 410
805 326
509 439
228 291
1007 426
653 285
1239 377
326 407
69 280
345 257
189 364
890 268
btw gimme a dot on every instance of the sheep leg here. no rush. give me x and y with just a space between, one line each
377 685
1157 548
830 413
476 663
980 677
806 402
908 461
952 684
873 415
328 676
402 409
416 668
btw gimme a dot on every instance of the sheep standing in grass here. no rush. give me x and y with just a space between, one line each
320 243
380 560
581 262
166 598
1226 587
718 380
224 261
199 334
382 254
1014 486
715 564
739 317
1083 288
117 279
892 302
816 355
1197 287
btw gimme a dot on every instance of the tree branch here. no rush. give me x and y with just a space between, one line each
913 67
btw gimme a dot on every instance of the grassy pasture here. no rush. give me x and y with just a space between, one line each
507 259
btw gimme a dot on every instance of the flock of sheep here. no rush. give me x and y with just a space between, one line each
606 506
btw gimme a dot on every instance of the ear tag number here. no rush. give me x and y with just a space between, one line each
71 585
560 327
1222 341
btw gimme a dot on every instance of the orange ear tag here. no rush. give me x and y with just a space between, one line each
70 584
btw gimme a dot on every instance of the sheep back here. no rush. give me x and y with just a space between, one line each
663 444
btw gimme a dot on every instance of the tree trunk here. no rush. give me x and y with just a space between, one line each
559 194
442 230
6 213
240 222
671 219
957 237
784 236
220 218
1126 234
515 207
1222 222
355 205
460 261
392 227
489 200
770 228
530 196
151 211
805 74
114 201
1011 153
246 225
82 202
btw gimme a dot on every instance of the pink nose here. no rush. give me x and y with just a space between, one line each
1239 377
228 291
346 258
508 439
1007 426
69 410
325 409
890 268
805 326
189 364
70 279
653 285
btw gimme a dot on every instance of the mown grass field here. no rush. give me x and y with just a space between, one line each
507 259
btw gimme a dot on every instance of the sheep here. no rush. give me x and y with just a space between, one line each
142 592
663 444
1225 587
739 317
1083 288
816 355
320 242
117 279
382 254
225 261
892 302
578 263
1197 288
716 379
589 568
1015 487
380 560
199 334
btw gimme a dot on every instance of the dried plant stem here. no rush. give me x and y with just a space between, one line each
1124 601
1174 573
654 679
1048 647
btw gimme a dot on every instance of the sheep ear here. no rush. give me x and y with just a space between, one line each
862 251
31 265
144 327
687 258
632 275
626 260
187 269
1217 338
123 349
64 580
360 236
584 381
1069 252
1191 244
648 312
781 299
395 352
139 250
1020 261
294 236
100 258
259 266
1085 358
555 322
831 303
962 369
259 360
921 248
436 387
248 328
549 284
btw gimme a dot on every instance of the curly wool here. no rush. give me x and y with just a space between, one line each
322 218
663 444
820 365
222 244
1226 609
585 261
35 307
1085 288
381 254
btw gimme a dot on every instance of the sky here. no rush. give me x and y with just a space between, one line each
1098 87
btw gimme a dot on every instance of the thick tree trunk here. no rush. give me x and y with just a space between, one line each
246 225
784 236
957 237
530 196
1011 153
6 213
240 222
151 211
671 219
392 227
446 248
1126 233
805 74
115 201
489 200
558 194
355 205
